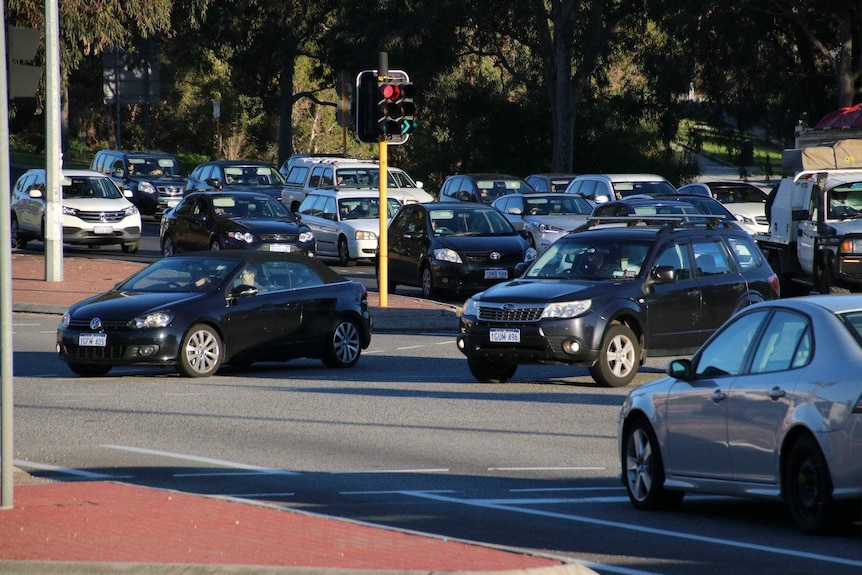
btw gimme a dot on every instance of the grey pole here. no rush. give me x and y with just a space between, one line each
53 158
7 471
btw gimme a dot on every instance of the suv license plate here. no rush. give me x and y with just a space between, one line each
103 230
280 247
93 340
505 335
495 274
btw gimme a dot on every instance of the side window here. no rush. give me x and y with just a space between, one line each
330 208
314 180
588 189
676 256
785 343
297 175
746 253
711 258
721 357
575 187
326 178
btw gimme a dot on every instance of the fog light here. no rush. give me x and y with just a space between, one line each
461 343
571 346
147 350
58 348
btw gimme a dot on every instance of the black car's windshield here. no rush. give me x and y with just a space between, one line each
586 257
250 207
154 167
179 274
469 222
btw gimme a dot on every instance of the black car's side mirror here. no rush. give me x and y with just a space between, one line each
680 369
663 274
214 182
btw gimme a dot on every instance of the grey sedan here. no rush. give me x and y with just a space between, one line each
547 217
770 407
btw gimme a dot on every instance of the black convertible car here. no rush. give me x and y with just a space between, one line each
197 311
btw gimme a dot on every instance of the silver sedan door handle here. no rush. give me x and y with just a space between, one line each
776 393
718 395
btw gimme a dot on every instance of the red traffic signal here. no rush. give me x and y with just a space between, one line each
390 91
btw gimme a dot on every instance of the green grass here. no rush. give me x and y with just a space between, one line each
725 148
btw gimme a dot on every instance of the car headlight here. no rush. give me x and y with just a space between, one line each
363 235
155 319
67 211
549 229
447 255
851 245
130 211
67 319
470 307
567 309
530 255
306 237
246 237
746 219
146 188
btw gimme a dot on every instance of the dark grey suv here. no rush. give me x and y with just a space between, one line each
610 296
156 179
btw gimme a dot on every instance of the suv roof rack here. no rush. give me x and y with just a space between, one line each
669 221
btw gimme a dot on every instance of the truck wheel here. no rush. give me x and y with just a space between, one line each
619 357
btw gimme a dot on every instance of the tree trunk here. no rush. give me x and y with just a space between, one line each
285 100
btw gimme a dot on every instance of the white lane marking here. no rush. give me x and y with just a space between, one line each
183 456
242 495
543 489
547 468
639 528
397 491
369 352
361 471
409 347
450 342
255 472
67 470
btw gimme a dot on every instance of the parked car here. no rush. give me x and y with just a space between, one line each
745 201
549 182
236 175
482 188
233 220
608 297
195 312
701 203
545 216
95 212
156 179
769 407
599 188
345 222
447 247
311 173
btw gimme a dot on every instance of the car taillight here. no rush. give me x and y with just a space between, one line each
858 407
776 285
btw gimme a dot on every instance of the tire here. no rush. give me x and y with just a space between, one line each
426 282
18 241
643 469
808 487
89 370
201 352
344 346
619 357
168 248
344 253
486 371
130 248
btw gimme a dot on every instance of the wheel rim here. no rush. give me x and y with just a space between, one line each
14 232
202 351
169 247
426 281
639 464
346 342
808 488
343 254
621 356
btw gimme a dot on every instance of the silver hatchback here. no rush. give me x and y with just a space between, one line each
770 406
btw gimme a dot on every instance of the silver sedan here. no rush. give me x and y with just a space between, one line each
770 407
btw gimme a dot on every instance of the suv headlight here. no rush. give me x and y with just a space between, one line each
567 309
155 319
67 211
470 307
306 237
246 237
146 188
851 246
447 255
130 211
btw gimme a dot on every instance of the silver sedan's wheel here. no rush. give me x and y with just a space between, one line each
643 469
345 345
808 487
619 358
201 352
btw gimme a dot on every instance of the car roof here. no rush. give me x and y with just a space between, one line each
477 206
835 303
238 194
488 175
253 256
237 163
342 192
144 153
71 173
624 177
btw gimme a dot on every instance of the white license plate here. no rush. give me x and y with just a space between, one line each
172 203
495 274
280 247
93 340
103 230
505 335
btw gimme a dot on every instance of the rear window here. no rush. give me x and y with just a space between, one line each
747 254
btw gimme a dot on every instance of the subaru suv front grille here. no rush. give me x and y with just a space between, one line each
510 313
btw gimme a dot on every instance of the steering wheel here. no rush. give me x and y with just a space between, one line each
443 231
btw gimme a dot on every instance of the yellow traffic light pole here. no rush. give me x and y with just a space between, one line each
383 241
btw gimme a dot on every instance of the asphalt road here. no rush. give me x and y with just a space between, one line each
406 438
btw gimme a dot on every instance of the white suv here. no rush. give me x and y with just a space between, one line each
311 173
95 211
345 222
600 188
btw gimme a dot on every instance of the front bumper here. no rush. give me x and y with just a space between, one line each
122 346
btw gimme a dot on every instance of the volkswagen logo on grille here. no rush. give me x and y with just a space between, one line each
495 256
508 307
96 323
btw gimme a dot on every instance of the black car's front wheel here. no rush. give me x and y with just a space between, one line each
488 371
344 346
619 357
201 352
643 469
168 248
426 282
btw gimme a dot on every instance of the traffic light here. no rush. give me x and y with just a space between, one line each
365 110
384 107
396 108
